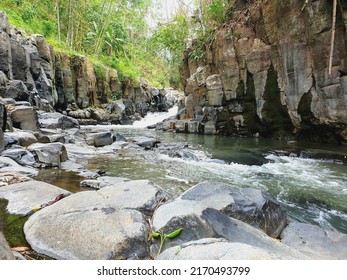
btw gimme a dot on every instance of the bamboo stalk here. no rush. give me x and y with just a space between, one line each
332 39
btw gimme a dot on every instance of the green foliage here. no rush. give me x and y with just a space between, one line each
163 236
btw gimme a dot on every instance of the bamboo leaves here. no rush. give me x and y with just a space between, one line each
163 236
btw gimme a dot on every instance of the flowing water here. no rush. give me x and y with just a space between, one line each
310 180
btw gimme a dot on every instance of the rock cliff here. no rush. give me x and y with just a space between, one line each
50 80
266 72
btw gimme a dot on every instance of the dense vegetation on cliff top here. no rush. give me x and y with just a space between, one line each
118 33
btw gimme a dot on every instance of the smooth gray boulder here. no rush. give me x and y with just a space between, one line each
105 224
24 197
220 249
145 142
20 155
8 164
5 250
315 242
240 232
49 155
57 120
100 139
102 182
186 211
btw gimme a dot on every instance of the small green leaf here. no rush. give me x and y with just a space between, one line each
174 234
155 234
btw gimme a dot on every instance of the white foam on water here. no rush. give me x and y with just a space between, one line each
154 118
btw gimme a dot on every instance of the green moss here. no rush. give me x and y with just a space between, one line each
100 71
12 226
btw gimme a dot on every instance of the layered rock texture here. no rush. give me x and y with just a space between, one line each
33 74
266 72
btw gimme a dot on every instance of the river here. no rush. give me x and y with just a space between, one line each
310 180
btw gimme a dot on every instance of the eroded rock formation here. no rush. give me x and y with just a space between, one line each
266 72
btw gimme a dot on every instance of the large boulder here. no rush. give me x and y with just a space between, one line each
5 250
99 225
49 155
24 197
100 139
17 90
315 242
57 120
9 165
187 211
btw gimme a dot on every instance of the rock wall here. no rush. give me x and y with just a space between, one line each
266 73
32 71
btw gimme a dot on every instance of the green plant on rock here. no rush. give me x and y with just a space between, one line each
163 236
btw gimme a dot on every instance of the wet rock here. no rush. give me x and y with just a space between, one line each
24 197
23 138
49 155
100 139
258 209
5 250
25 118
20 155
220 249
315 242
102 182
57 120
105 224
186 211
8 164
145 142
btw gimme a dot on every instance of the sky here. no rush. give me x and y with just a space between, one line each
168 9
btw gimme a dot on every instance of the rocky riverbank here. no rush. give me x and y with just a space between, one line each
114 218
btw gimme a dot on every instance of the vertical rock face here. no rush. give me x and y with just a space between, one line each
268 73
31 71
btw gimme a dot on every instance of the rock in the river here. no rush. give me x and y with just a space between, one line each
24 197
9 165
52 154
102 182
99 225
187 210
145 142
315 242
25 118
220 249
100 139
5 250
57 120
20 155
24 138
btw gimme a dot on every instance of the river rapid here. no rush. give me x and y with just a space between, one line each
310 180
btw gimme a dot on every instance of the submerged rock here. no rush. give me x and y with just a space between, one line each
315 242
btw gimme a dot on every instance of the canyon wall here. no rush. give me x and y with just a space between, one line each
266 72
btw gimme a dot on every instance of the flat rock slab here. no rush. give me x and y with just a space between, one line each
102 182
315 242
220 249
90 234
105 224
24 197
9 165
